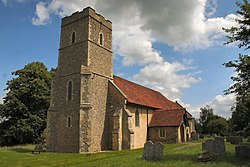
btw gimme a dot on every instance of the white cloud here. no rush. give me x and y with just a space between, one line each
181 24
221 104
194 110
211 7
22 1
164 77
6 2
58 7
1 100
42 13
2 95
134 45
138 24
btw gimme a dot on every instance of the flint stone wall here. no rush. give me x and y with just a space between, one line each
171 137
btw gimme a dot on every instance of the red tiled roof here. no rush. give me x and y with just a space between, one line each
167 118
189 116
141 95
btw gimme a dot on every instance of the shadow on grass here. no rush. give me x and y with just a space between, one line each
21 150
229 158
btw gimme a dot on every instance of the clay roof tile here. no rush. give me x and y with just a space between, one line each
141 95
167 118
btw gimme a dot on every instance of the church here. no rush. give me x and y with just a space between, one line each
91 109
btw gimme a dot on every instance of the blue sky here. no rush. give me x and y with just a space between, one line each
177 51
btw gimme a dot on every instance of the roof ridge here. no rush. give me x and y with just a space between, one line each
171 109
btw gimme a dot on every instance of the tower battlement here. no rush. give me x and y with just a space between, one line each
85 13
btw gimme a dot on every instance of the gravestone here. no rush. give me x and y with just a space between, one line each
229 138
235 139
153 152
195 136
216 146
220 145
242 151
39 148
209 146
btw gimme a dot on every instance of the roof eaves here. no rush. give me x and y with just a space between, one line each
153 107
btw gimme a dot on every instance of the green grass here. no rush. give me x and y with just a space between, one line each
175 155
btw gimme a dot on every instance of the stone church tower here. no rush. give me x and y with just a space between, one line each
78 118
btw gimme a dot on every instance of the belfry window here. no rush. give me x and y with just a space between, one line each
73 37
101 39
137 118
70 91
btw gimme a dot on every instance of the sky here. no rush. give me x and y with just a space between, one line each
172 46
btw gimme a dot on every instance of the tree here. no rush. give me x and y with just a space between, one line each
241 113
240 33
198 127
206 115
218 126
25 105
1 111
241 86
242 79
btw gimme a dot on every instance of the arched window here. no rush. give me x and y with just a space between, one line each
101 39
70 90
73 37
137 118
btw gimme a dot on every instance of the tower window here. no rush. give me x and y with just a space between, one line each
70 90
137 118
101 39
69 122
73 37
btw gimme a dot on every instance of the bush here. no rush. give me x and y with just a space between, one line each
246 131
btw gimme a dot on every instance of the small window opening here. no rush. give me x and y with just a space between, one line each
137 118
162 132
69 122
70 90
73 37
101 39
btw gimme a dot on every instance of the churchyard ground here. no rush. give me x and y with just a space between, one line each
175 155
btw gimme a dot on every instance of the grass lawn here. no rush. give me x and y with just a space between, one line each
175 155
